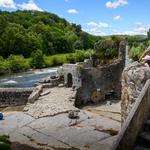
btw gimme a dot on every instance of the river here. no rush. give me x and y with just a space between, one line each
25 79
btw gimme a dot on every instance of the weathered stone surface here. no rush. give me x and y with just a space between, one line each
61 85
52 104
45 92
59 131
14 96
35 94
134 78
96 96
73 114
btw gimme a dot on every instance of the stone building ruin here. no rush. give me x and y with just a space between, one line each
94 83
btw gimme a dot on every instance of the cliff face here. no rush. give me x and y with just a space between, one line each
134 78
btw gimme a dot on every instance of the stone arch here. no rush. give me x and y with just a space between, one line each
69 80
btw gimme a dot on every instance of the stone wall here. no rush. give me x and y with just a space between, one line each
135 121
134 78
14 96
106 79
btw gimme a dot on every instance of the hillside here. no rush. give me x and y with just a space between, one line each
23 32
141 37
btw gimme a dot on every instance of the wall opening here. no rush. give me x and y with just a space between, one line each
69 80
110 95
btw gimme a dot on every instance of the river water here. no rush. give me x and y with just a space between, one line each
25 79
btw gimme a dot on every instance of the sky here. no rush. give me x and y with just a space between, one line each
97 17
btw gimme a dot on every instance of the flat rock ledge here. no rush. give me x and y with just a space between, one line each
59 100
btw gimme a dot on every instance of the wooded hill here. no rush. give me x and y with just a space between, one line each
24 32
140 37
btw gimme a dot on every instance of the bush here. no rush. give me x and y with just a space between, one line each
103 45
114 53
57 60
37 59
2 67
71 58
48 62
80 55
16 62
135 53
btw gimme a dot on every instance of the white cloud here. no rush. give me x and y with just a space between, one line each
66 0
92 24
72 11
30 6
115 4
139 24
95 30
140 30
118 18
104 25
8 4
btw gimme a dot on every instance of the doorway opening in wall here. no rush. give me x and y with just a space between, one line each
69 83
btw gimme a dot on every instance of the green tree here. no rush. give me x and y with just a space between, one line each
16 62
84 39
148 35
3 24
77 45
116 39
131 40
71 38
37 59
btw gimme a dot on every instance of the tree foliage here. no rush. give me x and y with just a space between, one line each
22 33
132 40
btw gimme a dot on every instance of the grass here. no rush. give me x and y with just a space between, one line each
6 144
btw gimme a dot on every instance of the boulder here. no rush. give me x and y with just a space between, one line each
73 114
61 85
134 77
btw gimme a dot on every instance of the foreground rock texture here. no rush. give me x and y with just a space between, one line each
84 132
134 78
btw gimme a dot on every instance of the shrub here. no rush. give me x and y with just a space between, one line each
48 62
57 60
79 55
114 53
37 59
16 62
71 58
135 53
2 67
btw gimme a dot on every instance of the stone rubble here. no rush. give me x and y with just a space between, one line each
59 100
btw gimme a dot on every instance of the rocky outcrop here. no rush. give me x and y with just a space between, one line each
134 78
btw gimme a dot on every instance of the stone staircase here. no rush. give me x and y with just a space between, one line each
143 142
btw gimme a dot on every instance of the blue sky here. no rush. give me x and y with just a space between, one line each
97 17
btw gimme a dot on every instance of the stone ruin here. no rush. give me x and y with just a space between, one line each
94 83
